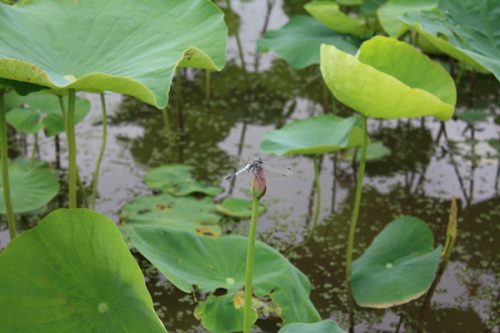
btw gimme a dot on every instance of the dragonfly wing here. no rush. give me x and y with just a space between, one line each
278 170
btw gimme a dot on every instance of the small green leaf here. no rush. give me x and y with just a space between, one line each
371 84
125 46
298 42
237 208
315 135
219 314
188 260
472 116
32 185
73 273
325 326
375 151
398 267
329 13
184 213
40 110
177 180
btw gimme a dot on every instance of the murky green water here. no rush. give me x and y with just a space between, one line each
425 170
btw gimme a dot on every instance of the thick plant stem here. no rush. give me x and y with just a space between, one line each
70 133
11 222
317 182
247 321
95 176
354 220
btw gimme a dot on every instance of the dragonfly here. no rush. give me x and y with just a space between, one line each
257 163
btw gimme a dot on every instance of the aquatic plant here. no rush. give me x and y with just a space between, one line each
73 272
133 58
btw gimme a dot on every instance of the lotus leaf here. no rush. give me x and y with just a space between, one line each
29 114
374 151
211 263
185 213
472 116
325 326
495 144
32 185
329 13
466 30
398 266
298 42
371 84
316 135
390 14
73 273
177 180
220 314
237 208
126 46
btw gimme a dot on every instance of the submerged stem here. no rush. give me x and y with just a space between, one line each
70 133
95 176
317 182
247 321
354 220
11 222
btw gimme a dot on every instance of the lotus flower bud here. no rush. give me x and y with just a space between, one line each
258 184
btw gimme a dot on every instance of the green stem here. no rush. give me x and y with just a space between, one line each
95 175
317 182
247 321
11 222
34 152
207 85
354 221
70 133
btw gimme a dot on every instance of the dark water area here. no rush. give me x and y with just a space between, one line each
430 163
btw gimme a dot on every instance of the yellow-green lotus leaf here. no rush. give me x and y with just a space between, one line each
329 13
389 79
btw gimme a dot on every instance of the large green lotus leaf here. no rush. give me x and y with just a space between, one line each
32 185
40 110
211 263
126 46
329 13
298 42
73 273
466 30
370 82
184 213
325 326
177 179
220 314
237 208
390 14
315 135
398 266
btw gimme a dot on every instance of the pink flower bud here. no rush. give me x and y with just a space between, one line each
258 184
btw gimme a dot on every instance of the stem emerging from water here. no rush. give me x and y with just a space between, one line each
354 221
317 182
95 176
70 133
247 321
11 222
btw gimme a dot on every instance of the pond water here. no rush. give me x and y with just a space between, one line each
425 170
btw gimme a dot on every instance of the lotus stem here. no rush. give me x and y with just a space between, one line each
34 152
95 176
70 133
354 220
247 320
451 236
207 85
236 35
11 222
317 182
